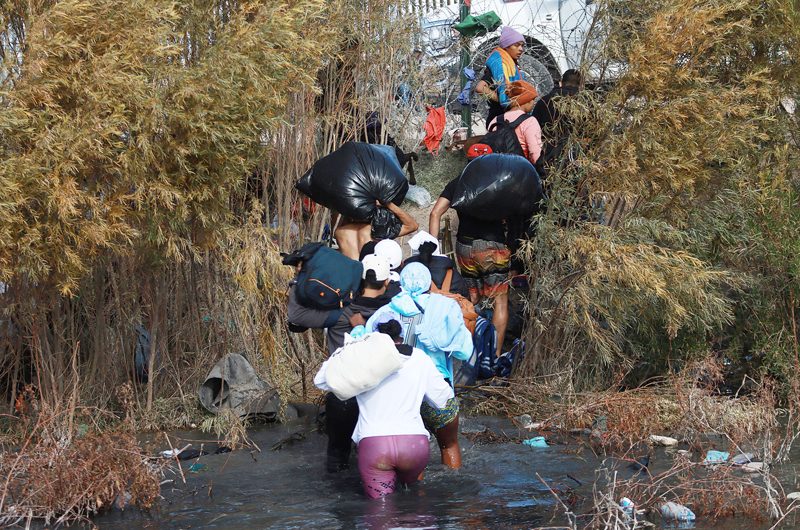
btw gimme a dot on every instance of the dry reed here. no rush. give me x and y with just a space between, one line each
65 481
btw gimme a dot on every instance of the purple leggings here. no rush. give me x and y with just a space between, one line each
384 460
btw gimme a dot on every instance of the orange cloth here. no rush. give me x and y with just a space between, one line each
509 66
434 129
521 92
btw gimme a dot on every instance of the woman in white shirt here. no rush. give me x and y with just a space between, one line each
393 444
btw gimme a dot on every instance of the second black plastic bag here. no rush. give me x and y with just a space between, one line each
498 186
385 224
353 177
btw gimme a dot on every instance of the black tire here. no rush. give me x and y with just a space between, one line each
442 83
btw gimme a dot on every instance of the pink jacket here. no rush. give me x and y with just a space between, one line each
529 134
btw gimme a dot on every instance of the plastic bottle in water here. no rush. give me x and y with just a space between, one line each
627 505
673 511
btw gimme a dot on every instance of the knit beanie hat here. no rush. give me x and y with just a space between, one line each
521 92
510 36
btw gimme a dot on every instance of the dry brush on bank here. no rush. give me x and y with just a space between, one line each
63 479
667 231
149 152
617 427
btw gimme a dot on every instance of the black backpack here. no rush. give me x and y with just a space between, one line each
501 138
327 278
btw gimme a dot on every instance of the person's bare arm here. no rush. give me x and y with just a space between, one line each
483 88
438 211
409 224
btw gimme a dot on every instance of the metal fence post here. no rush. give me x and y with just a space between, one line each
466 110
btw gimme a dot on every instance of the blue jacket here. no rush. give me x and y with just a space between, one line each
438 330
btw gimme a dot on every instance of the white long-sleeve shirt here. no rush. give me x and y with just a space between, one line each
392 407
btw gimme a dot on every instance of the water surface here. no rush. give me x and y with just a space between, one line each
497 487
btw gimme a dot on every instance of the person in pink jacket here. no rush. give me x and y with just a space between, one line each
522 96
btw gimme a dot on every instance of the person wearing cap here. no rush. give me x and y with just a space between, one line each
394 253
435 324
425 250
371 296
522 97
341 416
393 443
502 68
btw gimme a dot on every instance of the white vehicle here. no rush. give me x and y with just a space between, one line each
556 34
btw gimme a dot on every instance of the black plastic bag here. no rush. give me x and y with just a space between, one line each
353 177
498 186
385 224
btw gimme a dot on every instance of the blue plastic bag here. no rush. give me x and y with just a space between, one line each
538 441
716 457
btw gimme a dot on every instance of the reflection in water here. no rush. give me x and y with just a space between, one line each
384 514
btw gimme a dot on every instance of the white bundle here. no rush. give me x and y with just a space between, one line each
654 439
362 365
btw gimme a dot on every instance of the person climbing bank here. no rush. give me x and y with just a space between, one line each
353 234
341 416
522 98
482 256
502 68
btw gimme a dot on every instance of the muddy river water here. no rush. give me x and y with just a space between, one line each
499 486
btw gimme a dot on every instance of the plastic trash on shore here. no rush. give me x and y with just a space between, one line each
716 457
627 506
753 467
742 459
538 441
654 439
524 420
234 383
172 453
672 511
419 196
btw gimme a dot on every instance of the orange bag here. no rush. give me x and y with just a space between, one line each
467 308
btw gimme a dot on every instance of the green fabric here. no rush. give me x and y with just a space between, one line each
473 26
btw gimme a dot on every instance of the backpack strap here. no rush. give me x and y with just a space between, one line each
516 123
447 279
445 285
